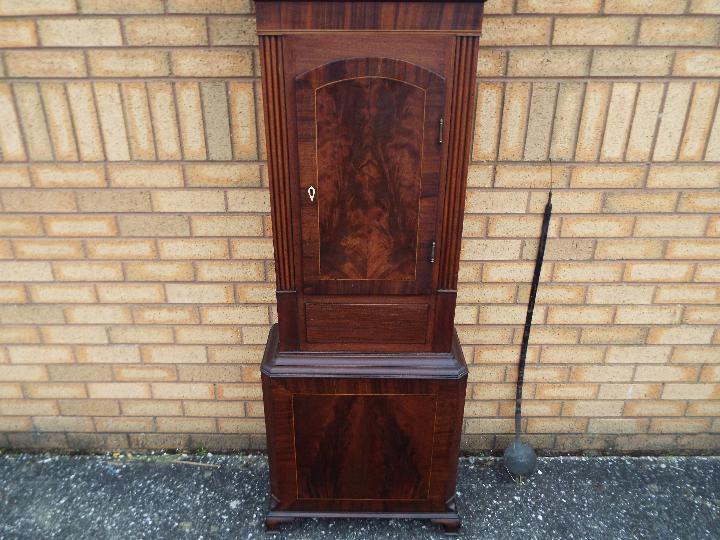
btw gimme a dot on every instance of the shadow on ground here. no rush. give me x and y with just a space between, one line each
154 497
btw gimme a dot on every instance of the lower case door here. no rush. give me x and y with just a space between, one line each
363 444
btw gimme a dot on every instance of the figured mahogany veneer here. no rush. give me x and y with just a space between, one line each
368 114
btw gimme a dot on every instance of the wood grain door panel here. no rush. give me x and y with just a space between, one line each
368 144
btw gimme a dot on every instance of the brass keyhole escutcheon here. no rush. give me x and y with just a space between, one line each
311 193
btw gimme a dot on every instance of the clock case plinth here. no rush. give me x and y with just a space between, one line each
368 115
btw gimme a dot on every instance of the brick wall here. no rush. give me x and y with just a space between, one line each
135 254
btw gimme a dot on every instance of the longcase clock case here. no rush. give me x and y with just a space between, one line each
368 111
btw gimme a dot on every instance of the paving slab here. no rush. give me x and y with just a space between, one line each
224 496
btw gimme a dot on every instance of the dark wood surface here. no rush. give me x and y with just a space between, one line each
363 378
297 16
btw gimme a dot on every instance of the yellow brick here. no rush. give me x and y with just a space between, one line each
515 31
97 315
572 354
548 62
704 6
701 315
707 272
48 249
480 176
647 271
222 174
23 373
464 315
118 390
63 423
629 249
112 121
514 121
128 63
647 315
89 407
239 391
631 62
644 7
550 335
127 6
189 201
679 425
568 202
579 315
227 226
121 249
151 31
154 225
567 115
234 315
637 355
699 202
207 335
600 226
592 408
647 202
55 390
693 249
37 7
556 425
491 63
11 175
481 250
592 121
518 226
613 334
158 271
164 118
593 176
619 118
230 271
144 373
488 425
232 31
684 176
504 314
681 334
213 408
74 334
29 108
25 271
23 406
674 31
251 248
587 272
45 63
189 110
666 373
119 425
654 408
703 408
85 121
60 125
481 335
139 126
553 6
194 249
242 118
647 112
198 294
486 293
255 335
40 354
699 121
677 100
211 63
56 293
139 407
122 293
66 176
80 226
209 6
140 334
12 294
248 200
687 294
710 374
602 373
691 391
593 31
165 315
182 391
670 226
174 354
85 32
17 334
617 425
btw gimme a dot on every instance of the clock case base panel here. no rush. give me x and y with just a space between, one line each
363 435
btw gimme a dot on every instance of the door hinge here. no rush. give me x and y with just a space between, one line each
432 252
440 136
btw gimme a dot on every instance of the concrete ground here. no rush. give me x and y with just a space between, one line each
163 496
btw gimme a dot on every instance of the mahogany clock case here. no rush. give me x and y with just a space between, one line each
368 115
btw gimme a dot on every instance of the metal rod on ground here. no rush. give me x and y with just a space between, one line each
520 458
